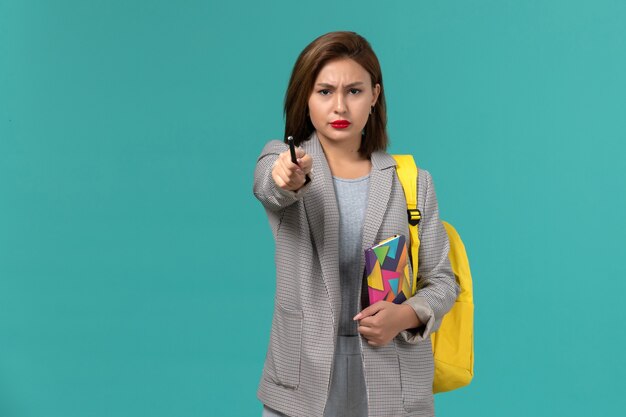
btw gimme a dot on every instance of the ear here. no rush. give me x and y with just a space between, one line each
375 93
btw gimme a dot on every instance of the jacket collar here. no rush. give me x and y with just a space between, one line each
380 159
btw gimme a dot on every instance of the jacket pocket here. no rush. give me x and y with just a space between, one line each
416 374
286 346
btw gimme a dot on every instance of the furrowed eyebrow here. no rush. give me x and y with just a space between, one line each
354 84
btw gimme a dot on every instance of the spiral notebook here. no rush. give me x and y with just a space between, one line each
387 271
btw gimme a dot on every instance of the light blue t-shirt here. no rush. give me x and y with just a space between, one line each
352 203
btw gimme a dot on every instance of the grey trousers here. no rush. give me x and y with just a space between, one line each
347 396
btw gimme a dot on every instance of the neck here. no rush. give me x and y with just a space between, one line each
346 151
344 159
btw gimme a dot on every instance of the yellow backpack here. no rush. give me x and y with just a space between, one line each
453 342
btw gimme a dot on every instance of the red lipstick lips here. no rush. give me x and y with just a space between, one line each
340 124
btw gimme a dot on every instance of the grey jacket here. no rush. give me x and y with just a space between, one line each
305 225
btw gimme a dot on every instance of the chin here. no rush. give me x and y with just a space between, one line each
339 134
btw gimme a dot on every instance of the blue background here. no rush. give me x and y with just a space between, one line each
136 267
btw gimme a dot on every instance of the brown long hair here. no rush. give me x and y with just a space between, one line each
328 47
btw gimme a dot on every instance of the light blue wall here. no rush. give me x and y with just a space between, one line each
136 267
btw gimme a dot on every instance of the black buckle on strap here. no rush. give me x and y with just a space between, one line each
414 216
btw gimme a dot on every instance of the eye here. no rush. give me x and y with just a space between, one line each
324 92
354 91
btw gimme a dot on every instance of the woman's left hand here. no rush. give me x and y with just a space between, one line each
382 321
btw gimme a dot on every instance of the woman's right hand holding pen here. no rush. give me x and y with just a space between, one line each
290 176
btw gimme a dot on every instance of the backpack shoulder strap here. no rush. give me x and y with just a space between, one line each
408 175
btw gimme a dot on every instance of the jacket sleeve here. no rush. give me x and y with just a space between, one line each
265 189
438 289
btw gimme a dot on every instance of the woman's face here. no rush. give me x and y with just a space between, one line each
340 103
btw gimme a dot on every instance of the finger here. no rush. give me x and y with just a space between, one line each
280 183
297 179
284 176
292 172
293 179
372 342
366 332
370 311
369 322
306 163
290 166
286 158
300 152
276 172
372 338
295 168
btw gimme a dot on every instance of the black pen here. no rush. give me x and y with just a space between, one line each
292 149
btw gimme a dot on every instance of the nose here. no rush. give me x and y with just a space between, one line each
340 104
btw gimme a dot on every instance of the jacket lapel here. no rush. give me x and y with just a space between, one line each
381 181
320 204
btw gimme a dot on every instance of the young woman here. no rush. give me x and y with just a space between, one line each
329 356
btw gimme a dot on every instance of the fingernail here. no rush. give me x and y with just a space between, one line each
299 160
358 316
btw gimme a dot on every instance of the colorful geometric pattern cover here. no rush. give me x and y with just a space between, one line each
387 271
